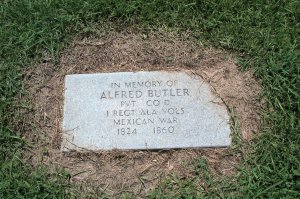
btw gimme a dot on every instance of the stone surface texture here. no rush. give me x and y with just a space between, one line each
142 110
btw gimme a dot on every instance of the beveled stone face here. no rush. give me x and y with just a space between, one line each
142 110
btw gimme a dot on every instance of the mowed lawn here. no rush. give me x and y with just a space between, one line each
264 34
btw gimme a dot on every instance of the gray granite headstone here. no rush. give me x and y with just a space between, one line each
142 110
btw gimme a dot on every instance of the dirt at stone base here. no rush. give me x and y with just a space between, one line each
136 172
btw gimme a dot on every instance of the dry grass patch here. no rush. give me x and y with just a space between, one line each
134 171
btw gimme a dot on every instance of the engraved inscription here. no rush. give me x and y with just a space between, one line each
155 95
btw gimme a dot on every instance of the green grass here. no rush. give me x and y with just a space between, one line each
264 33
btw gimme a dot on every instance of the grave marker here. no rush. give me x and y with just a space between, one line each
142 110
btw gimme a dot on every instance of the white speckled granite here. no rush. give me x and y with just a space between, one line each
142 110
